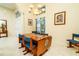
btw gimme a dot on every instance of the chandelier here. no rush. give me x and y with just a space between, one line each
37 9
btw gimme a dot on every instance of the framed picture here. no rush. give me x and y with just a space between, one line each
30 22
60 18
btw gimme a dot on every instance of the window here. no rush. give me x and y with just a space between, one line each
40 25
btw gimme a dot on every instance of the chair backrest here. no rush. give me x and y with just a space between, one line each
75 35
26 39
20 35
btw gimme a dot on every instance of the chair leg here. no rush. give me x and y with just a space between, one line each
27 51
20 47
24 51
70 45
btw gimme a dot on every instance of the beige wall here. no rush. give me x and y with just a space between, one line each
60 33
23 8
8 15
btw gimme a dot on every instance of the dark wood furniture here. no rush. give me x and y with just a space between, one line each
20 39
43 43
28 44
73 42
35 32
3 28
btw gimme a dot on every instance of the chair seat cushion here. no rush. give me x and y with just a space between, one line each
73 41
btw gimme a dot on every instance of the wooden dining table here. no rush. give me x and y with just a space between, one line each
40 43
35 37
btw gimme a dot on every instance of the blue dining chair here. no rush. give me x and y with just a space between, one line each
27 44
20 36
73 41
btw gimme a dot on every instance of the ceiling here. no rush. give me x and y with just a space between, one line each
11 6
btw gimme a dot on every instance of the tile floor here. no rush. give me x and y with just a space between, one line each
9 47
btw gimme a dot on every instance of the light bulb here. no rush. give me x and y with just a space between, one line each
43 9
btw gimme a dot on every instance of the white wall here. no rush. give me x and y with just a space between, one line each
8 15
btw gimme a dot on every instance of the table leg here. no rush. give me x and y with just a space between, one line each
70 45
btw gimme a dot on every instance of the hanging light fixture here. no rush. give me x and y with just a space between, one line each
37 9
